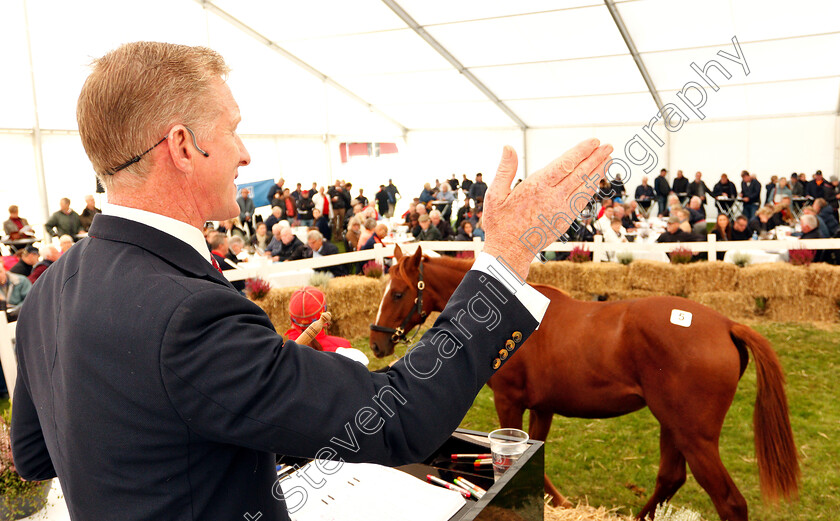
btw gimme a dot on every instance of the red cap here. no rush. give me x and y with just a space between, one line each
306 305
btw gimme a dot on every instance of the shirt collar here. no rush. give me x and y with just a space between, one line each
178 229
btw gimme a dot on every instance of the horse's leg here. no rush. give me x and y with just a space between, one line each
509 412
671 473
538 427
704 460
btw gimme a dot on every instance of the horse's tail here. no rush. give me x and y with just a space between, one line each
778 466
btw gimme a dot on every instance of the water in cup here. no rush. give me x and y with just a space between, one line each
506 445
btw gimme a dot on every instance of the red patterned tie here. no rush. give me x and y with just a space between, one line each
215 264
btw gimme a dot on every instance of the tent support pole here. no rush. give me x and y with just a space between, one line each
36 125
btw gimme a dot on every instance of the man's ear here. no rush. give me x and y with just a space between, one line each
180 148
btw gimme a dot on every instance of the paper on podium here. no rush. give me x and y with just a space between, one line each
365 492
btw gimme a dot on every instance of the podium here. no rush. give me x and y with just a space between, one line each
518 495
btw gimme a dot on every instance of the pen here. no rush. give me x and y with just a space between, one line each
473 489
470 456
444 484
485 461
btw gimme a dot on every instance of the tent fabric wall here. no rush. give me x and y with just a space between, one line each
561 67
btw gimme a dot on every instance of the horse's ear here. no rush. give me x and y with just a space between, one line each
417 257
398 254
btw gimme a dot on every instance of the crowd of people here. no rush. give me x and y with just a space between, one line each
337 215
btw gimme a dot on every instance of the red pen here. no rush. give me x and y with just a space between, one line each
444 484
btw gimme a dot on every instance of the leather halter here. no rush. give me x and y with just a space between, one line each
398 335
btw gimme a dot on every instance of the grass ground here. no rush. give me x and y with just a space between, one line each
614 462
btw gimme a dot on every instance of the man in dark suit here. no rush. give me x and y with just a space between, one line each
750 194
158 392
316 247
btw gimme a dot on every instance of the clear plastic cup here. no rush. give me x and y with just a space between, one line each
506 445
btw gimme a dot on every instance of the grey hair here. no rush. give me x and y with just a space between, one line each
314 235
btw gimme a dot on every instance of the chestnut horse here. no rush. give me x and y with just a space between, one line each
606 359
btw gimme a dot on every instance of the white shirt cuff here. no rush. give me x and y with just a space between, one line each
535 302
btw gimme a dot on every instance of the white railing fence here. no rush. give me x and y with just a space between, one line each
598 248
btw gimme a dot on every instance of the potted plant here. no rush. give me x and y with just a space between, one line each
18 498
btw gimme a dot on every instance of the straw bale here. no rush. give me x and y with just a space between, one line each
603 277
583 513
807 308
823 280
628 294
776 279
661 277
352 301
563 275
704 277
731 304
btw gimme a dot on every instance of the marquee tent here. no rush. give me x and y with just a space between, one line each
713 86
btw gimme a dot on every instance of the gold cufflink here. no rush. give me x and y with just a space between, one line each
517 336
497 363
509 345
503 354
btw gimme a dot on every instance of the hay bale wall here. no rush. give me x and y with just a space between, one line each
773 291
353 302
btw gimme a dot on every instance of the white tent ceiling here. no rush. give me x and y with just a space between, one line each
374 70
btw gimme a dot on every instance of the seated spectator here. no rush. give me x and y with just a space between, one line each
219 249
672 203
443 226
235 253
414 224
586 230
261 237
620 213
87 214
683 215
28 258
365 232
379 233
825 214
615 232
275 217
13 289
65 242
465 232
427 231
606 203
723 228
606 218
427 195
16 227
697 215
322 222
351 238
673 232
782 214
317 247
632 214
810 227
64 222
305 307
50 254
448 196
283 245
739 229
233 228
761 224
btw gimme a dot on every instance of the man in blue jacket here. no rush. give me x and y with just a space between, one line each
153 390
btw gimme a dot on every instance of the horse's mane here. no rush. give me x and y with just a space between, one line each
450 262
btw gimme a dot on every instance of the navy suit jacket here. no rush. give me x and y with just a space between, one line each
153 390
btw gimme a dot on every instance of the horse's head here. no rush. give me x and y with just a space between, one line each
401 308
